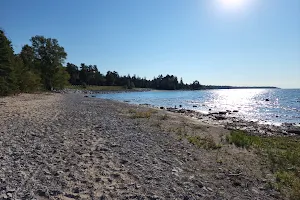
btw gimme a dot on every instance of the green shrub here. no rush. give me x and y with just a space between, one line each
142 114
203 142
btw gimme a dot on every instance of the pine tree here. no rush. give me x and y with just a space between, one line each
8 80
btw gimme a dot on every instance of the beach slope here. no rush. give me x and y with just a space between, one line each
66 146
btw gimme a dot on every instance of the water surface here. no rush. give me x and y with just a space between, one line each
283 104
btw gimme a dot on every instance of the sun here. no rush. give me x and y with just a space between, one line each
233 5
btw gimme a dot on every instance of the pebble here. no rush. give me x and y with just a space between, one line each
255 190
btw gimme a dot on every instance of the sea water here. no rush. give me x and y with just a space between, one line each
273 106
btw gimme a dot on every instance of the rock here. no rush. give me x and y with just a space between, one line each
58 173
214 113
42 193
222 112
55 192
209 109
2 187
114 145
181 111
236 183
9 195
198 183
102 149
267 99
103 197
76 190
255 190
218 117
154 197
137 186
171 109
10 190
71 196
294 130
186 198
123 161
98 179
176 170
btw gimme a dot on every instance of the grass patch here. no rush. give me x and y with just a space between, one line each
131 111
290 179
241 139
142 114
203 142
283 154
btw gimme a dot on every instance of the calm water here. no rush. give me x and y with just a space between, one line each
284 104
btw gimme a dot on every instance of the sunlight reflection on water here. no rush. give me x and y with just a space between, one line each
283 105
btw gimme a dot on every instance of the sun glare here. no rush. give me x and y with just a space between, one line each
233 5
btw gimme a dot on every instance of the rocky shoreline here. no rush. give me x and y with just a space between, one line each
66 146
223 118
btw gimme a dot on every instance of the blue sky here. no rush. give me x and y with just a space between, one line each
253 45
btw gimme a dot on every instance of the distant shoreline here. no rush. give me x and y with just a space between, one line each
114 89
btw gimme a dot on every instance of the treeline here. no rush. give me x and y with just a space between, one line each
90 75
39 66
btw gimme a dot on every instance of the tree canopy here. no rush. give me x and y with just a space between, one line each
8 80
40 66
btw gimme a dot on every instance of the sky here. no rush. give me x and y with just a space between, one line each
218 42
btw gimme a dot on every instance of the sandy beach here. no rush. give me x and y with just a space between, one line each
67 146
